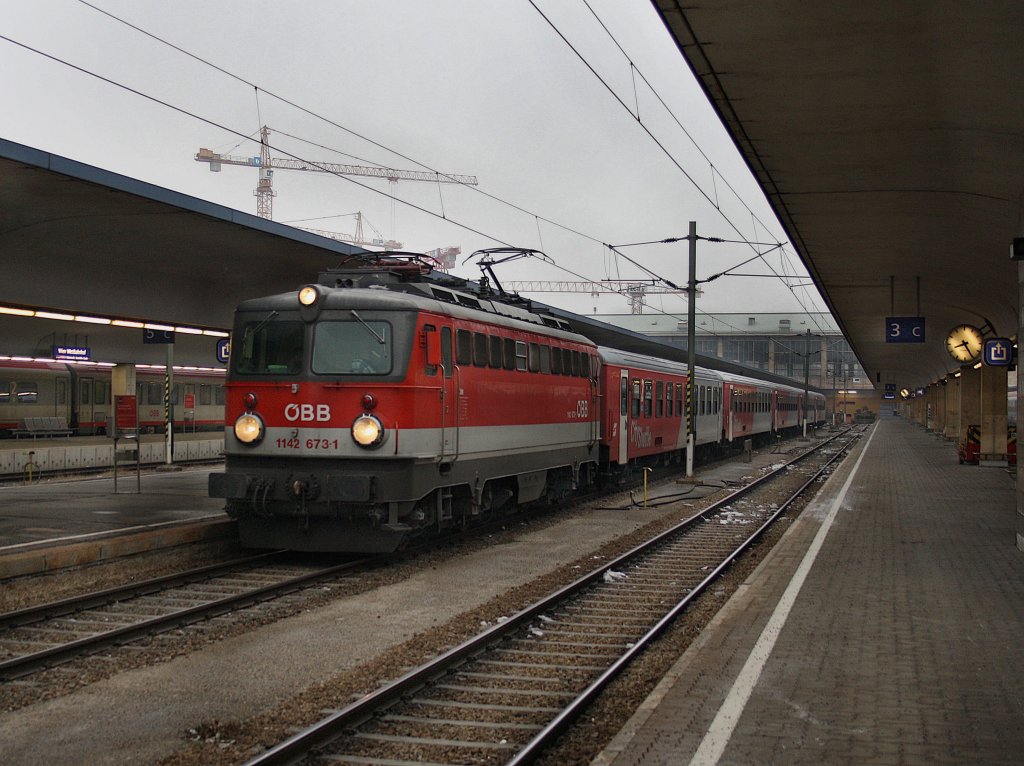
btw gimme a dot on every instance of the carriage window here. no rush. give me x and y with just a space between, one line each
636 398
648 398
623 396
218 395
28 392
101 391
176 393
718 400
494 352
205 393
269 346
521 355
352 348
659 397
679 398
463 347
154 393
446 351
668 400
62 392
85 392
480 351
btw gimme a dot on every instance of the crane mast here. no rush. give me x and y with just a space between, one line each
266 164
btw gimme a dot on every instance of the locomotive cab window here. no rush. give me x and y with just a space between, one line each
352 348
269 346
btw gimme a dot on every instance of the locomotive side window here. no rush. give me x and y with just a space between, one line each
534 357
480 350
495 352
556 360
269 346
352 348
463 347
545 360
508 354
446 351
521 355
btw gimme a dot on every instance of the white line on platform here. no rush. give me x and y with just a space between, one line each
720 732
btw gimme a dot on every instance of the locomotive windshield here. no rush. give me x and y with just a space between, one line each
357 347
269 346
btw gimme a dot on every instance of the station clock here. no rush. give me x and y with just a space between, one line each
964 343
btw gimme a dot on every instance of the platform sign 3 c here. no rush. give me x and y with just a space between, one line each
998 352
904 329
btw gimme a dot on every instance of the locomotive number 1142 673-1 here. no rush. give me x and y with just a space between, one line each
310 444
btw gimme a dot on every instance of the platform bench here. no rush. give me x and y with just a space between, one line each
48 426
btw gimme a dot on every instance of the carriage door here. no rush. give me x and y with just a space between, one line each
449 399
85 404
623 416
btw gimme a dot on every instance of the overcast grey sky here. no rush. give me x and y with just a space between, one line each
481 87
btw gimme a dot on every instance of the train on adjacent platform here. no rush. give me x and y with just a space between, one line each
375 406
79 395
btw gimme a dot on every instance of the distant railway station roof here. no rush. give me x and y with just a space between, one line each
79 238
888 139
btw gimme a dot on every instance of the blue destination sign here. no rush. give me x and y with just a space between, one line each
999 352
71 353
904 329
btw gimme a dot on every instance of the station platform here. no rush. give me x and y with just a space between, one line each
886 627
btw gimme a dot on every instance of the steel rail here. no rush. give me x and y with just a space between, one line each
297 747
17 667
73 604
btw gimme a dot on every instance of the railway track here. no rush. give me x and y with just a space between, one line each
50 634
505 695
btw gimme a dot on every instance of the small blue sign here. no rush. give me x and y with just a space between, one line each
71 353
223 350
904 329
999 352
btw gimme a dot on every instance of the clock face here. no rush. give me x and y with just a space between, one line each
964 342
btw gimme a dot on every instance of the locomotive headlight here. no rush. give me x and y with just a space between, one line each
249 428
308 295
367 431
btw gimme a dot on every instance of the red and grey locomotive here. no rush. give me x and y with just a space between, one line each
374 406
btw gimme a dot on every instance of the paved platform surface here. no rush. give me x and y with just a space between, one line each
887 627
67 508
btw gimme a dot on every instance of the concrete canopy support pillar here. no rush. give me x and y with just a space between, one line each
993 416
952 408
970 401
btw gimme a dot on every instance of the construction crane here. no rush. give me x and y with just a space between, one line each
635 291
265 193
358 238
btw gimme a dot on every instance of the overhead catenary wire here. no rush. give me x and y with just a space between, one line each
441 216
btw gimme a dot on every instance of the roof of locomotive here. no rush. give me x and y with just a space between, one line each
416 296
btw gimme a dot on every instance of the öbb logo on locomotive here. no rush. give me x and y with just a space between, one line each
308 413
426 405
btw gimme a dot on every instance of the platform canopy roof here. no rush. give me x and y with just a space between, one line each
889 139
82 239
